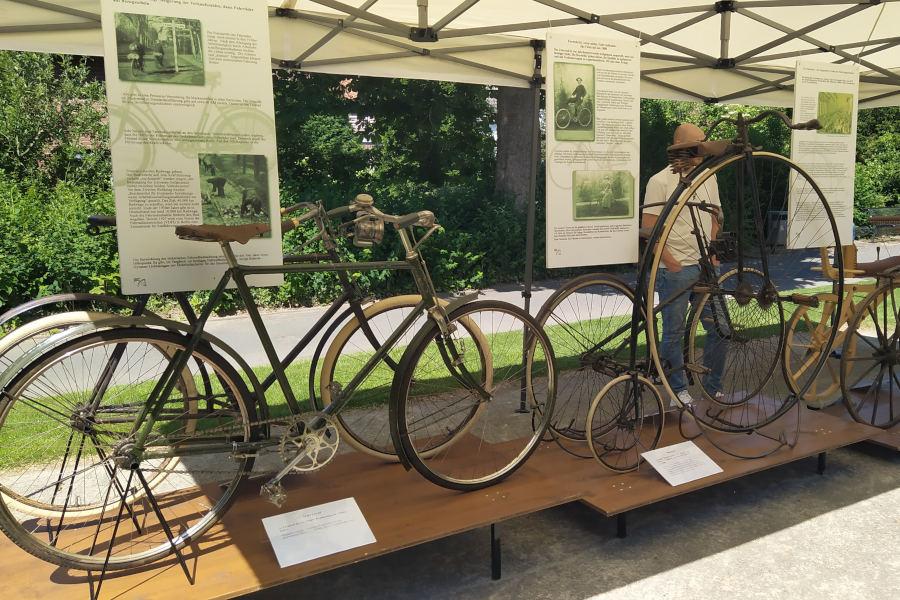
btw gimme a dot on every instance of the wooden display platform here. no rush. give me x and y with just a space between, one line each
888 438
402 509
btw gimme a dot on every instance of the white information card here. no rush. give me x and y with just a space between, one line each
681 463
308 533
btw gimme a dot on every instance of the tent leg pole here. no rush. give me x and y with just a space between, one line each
536 81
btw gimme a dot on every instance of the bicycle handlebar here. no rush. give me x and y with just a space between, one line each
95 222
742 122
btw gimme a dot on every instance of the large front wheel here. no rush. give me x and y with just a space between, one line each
775 213
506 387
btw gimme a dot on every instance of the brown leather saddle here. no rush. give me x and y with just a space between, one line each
221 233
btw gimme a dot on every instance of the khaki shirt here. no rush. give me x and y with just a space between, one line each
682 243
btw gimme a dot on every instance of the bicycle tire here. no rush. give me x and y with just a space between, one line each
367 426
584 312
784 177
191 504
24 338
804 342
502 439
748 380
862 353
584 116
563 118
617 442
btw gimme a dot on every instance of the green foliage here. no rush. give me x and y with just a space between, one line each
44 246
52 121
418 145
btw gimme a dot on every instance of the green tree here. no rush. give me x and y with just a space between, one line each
52 121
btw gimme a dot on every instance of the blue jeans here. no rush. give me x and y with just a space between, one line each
674 315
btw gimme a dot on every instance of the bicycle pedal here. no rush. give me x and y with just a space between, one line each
274 492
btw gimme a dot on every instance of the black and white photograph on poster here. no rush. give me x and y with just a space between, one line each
157 49
234 189
593 151
573 86
600 195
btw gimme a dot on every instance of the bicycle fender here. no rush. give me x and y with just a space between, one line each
464 299
64 337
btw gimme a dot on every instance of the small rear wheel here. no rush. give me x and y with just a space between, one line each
625 419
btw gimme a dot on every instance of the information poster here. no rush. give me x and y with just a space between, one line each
192 129
593 128
829 93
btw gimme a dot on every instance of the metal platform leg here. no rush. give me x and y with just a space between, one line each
622 525
820 467
495 554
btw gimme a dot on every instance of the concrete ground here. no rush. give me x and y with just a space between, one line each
783 533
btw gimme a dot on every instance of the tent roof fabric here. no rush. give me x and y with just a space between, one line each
740 51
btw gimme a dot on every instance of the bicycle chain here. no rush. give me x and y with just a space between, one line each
286 421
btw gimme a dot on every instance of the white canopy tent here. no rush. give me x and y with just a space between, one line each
740 51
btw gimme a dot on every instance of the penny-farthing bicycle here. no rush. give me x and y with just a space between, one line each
613 379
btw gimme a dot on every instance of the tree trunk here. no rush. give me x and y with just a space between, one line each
514 124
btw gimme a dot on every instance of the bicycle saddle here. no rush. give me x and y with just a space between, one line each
221 233
678 154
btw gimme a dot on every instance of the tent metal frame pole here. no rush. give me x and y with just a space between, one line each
761 19
888 42
331 34
453 14
672 69
674 88
422 5
798 33
394 26
724 34
680 26
59 8
786 3
536 81
341 24
879 96
49 27
473 31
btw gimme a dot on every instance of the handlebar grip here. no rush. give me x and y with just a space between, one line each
804 300
288 210
811 124
422 218
101 221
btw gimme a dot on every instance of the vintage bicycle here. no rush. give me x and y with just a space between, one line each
118 403
609 352
858 339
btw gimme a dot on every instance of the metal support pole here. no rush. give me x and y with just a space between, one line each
725 34
536 82
820 465
622 525
495 555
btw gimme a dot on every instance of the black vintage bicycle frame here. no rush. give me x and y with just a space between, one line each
238 273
